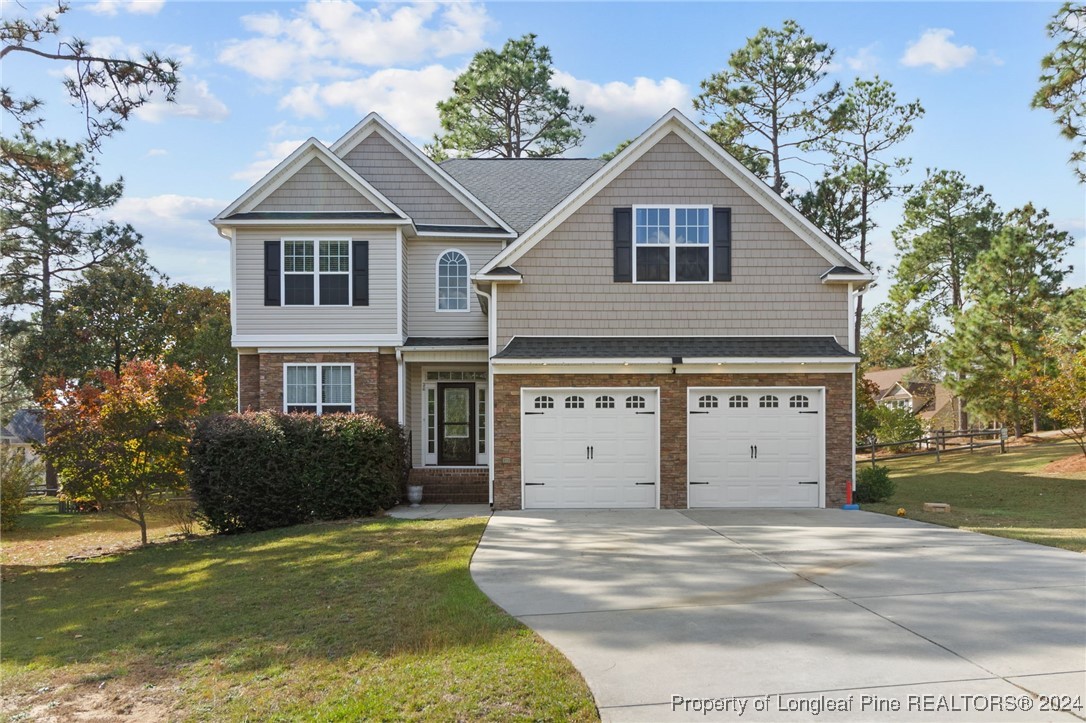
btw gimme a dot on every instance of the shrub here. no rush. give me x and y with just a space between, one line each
18 473
895 425
873 484
260 470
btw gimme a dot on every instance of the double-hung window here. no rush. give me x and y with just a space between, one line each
672 243
316 272
318 388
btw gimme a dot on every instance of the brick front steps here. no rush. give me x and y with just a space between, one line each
451 485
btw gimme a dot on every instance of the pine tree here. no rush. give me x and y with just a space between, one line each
1014 287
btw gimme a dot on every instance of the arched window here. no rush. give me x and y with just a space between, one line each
635 402
574 402
799 401
544 402
737 402
768 402
452 281
708 402
605 402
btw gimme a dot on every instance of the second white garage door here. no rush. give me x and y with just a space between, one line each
755 447
589 448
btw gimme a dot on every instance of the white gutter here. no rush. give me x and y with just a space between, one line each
492 343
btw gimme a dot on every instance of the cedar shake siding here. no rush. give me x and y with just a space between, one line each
406 185
568 286
423 317
315 188
254 318
673 418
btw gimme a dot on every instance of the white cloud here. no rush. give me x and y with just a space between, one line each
934 48
177 236
266 159
194 100
864 61
405 98
644 98
331 40
156 153
135 7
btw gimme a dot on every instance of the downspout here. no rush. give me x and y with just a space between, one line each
853 294
400 379
491 347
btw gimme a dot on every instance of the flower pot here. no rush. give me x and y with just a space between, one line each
414 494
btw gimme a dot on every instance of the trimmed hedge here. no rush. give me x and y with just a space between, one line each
259 470
873 484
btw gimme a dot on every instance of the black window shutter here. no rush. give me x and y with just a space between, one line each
623 244
722 244
360 261
272 266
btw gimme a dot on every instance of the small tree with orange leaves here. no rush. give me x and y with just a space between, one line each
122 440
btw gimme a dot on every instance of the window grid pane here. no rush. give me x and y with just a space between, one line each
692 226
452 282
301 385
431 420
298 257
336 385
653 226
480 417
335 257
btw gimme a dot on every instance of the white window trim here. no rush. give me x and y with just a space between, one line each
319 367
437 283
315 241
671 241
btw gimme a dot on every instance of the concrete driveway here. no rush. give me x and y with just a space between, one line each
774 615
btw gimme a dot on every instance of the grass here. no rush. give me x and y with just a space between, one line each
1008 495
376 619
47 537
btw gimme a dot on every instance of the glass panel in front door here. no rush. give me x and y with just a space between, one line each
456 443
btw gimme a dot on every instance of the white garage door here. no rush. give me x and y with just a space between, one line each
755 447
589 447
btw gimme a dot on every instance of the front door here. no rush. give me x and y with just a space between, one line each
455 426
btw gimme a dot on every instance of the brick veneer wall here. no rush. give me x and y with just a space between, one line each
673 416
248 382
375 379
452 485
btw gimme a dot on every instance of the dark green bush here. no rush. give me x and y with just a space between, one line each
873 484
259 470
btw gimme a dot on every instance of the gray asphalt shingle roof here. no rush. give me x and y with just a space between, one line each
25 426
521 190
656 347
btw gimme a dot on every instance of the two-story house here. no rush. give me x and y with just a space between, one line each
657 330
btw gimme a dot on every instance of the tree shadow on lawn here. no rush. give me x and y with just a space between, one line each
325 591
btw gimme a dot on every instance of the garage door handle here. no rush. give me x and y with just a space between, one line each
646 412
693 412
535 412
534 484
699 483
808 412
650 484
807 483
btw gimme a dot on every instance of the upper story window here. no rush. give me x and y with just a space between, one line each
672 244
452 281
316 272
318 388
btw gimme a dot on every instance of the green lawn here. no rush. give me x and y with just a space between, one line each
998 494
365 620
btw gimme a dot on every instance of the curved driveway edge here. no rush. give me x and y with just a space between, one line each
771 614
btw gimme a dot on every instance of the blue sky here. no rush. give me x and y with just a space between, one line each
259 78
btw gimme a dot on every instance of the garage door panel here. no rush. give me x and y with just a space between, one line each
591 449
755 448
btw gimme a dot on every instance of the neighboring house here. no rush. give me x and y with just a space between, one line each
22 433
930 402
658 330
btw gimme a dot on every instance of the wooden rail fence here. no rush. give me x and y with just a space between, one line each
938 443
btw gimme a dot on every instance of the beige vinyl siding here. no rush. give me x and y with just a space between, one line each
423 319
253 318
406 185
315 188
568 287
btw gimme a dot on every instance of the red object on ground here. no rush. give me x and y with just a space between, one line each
848 493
